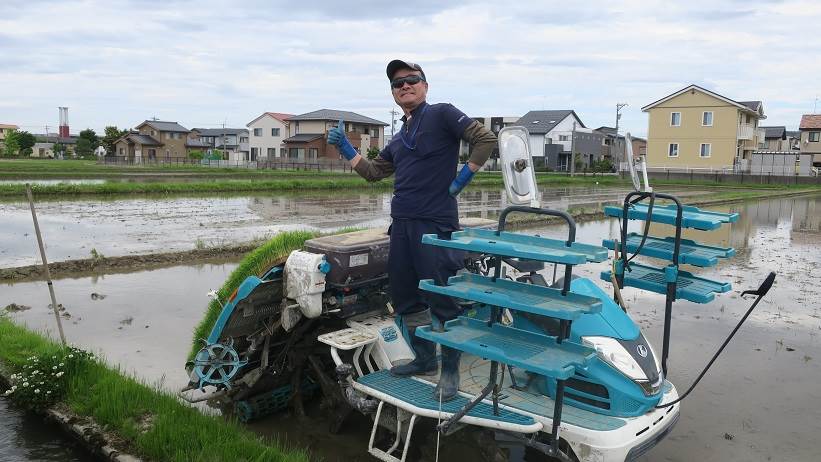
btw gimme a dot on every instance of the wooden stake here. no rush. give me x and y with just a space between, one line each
45 265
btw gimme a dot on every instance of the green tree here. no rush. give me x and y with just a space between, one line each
90 135
195 154
84 147
112 134
59 149
373 151
27 141
577 159
12 143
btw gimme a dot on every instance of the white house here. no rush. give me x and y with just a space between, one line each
551 133
266 134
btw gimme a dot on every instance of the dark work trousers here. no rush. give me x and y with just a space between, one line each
410 261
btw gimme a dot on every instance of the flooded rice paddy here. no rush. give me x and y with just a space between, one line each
131 226
760 401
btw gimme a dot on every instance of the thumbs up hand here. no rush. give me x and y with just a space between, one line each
336 136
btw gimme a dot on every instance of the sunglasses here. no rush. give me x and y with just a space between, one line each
410 80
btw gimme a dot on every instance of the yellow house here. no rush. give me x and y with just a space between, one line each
696 128
6 128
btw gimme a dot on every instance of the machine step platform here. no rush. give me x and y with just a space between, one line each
688 287
691 217
416 396
527 350
520 245
504 293
690 252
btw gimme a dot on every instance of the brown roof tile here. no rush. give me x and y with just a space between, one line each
810 121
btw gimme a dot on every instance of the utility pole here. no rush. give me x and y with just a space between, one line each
572 150
619 107
393 121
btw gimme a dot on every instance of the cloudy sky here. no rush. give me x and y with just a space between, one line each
203 63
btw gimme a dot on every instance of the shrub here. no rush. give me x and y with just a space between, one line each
43 380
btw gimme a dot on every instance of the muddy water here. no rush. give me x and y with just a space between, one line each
25 438
760 401
71 229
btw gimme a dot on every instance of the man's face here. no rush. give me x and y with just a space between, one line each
409 96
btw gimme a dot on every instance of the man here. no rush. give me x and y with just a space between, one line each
424 157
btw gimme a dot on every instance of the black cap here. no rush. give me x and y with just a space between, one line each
397 64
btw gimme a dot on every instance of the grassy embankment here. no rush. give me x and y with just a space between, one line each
151 424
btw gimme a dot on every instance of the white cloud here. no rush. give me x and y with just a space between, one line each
201 62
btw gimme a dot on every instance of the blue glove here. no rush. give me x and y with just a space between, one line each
337 137
461 180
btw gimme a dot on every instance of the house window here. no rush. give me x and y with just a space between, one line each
167 153
672 150
257 132
122 151
707 119
375 132
274 132
243 139
272 152
282 152
313 153
814 137
296 153
562 137
254 152
675 119
706 149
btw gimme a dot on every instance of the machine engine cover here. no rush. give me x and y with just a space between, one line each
354 257
305 281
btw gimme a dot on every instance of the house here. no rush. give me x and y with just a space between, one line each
232 142
495 124
810 132
157 140
267 133
7 128
778 138
551 134
45 143
697 128
308 134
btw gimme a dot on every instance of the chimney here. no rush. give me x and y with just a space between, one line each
63 133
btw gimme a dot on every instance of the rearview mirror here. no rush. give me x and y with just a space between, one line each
517 167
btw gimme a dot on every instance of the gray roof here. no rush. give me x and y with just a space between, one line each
751 105
143 139
42 138
303 138
165 126
334 115
544 121
779 132
220 131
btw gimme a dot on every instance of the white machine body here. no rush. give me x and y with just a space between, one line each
305 281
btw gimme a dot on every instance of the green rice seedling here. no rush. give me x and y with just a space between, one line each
256 263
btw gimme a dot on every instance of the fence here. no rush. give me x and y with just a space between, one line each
725 175
317 165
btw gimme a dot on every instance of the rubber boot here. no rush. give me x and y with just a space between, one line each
424 362
448 385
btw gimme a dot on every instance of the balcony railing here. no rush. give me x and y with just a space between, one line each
746 131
